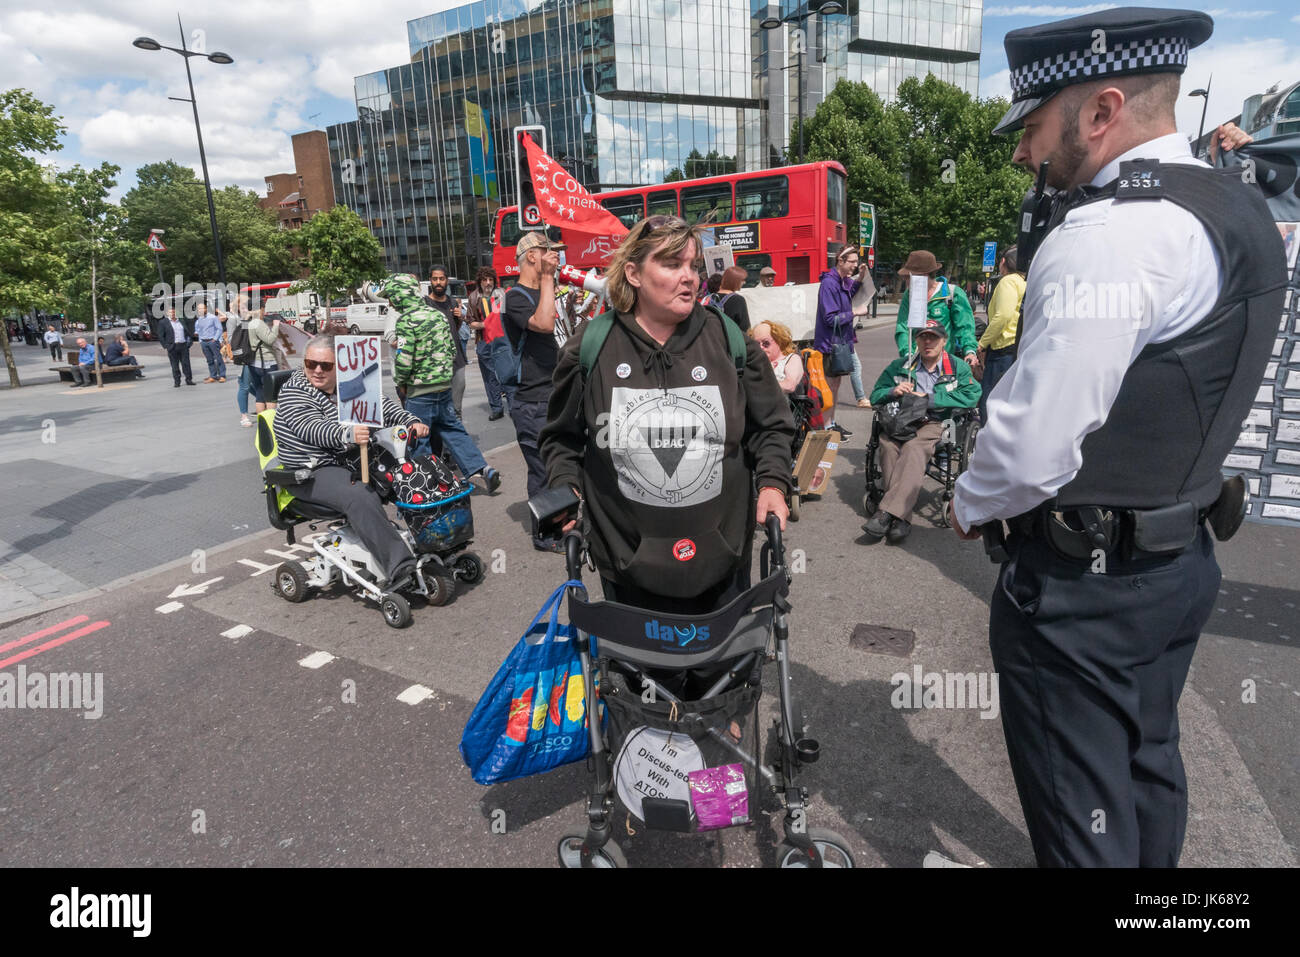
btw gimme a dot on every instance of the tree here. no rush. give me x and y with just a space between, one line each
99 256
342 254
928 161
170 196
30 215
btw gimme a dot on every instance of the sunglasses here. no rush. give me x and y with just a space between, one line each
311 365
652 223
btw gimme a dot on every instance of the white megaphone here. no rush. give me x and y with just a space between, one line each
589 281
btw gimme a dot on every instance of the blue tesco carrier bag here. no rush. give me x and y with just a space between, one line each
532 715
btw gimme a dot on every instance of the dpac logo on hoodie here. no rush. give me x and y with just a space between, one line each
667 445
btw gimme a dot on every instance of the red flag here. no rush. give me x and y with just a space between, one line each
564 202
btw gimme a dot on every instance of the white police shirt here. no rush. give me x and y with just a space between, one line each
1111 279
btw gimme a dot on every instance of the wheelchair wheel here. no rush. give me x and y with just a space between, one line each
794 506
569 851
833 849
396 609
291 582
968 446
441 588
469 568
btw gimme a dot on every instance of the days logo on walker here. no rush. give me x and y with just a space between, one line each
674 634
684 550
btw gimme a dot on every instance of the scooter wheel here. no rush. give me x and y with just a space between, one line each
291 582
569 852
469 568
441 588
396 609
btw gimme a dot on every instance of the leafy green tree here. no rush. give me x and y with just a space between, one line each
31 263
102 264
697 165
929 162
170 196
342 254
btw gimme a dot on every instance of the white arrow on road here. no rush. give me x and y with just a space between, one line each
187 589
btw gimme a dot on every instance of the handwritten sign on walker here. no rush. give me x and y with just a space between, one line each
360 384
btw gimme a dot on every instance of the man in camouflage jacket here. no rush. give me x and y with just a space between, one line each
422 371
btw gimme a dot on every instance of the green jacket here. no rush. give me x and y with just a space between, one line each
423 352
957 390
950 306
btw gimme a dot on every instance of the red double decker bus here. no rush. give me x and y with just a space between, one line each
791 218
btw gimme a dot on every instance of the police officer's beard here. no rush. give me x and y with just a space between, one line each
1069 155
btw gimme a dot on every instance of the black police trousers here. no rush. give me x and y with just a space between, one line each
1090 667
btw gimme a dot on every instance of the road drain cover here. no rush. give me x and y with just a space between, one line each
880 640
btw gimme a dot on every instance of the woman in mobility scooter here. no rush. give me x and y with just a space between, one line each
671 428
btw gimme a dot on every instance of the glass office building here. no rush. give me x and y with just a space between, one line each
629 91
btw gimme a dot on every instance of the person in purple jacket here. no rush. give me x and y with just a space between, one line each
835 323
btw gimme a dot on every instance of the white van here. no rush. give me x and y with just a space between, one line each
368 318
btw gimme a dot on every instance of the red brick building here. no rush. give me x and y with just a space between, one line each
298 196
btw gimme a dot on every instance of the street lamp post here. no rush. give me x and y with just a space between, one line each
830 8
1205 96
148 43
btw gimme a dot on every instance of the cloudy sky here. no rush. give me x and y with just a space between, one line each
295 60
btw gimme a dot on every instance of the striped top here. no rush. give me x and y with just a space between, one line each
307 423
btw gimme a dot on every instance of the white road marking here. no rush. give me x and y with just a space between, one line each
170 607
415 694
261 569
239 631
317 659
188 589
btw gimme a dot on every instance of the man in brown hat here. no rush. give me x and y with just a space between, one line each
946 303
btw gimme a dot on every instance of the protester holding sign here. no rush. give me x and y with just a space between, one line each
310 435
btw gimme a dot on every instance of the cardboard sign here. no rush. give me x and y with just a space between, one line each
918 298
360 380
812 470
718 259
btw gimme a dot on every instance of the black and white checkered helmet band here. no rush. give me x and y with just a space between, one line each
1052 73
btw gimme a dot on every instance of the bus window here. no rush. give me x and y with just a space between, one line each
510 234
662 204
766 198
630 210
836 200
753 263
707 204
796 270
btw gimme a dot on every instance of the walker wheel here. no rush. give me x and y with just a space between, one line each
570 848
794 507
834 851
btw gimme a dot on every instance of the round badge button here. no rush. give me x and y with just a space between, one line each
699 373
684 550
623 370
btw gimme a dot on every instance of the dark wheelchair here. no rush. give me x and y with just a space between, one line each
951 456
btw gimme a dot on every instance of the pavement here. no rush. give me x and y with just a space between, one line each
238 729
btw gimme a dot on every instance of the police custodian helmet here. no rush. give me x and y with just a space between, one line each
1125 41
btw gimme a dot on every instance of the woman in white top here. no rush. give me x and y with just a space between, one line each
261 339
774 339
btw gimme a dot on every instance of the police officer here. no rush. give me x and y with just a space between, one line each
1151 308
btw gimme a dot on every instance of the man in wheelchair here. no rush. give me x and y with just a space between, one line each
912 397
310 436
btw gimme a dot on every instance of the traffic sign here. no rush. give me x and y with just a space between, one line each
154 243
866 224
990 256
530 213
871 258
532 216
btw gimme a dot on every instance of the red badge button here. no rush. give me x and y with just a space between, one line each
684 550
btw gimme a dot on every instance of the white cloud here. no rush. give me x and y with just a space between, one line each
996 84
1240 69
1241 14
113 96
1048 10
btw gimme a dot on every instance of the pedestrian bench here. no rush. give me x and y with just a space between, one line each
110 372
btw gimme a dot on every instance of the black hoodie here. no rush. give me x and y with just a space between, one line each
664 448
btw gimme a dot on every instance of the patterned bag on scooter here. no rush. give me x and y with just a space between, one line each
532 717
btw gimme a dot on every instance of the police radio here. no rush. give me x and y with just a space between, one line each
1035 217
